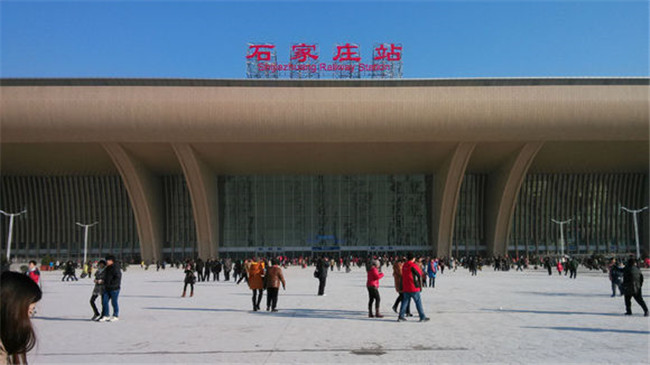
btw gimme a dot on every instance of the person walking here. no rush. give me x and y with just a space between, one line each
90 269
244 271
373 288
632 283
216 269
190 279
322 265
207 269
397 276
69 272
473 265
411 287
559 267
616 277
227 268
256 282
199 268
274 277
98 290
547 265
19 296
573 268
112 284
432 271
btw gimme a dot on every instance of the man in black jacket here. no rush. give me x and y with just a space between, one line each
321 273
112 283
632 283
199 268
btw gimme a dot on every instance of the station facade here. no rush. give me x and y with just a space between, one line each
185 168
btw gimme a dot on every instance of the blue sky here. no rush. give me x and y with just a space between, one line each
208 39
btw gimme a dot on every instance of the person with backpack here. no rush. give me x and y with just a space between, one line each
411 287
397 276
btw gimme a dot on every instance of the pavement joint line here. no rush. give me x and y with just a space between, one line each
350 350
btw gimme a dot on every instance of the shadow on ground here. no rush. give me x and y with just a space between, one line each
62 319
584 329
564 313
290 313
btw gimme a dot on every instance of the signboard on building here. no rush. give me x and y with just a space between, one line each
305 62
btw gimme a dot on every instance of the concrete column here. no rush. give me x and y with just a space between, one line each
202 184
446 188
501 197
144 192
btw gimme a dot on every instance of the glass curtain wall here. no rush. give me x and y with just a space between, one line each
591 201
323 212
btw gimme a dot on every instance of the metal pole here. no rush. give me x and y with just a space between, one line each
636 236
562 239
561 233
86 227
11 229
635 213
85 244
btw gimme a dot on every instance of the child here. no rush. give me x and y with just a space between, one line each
373 288
189 279
34 273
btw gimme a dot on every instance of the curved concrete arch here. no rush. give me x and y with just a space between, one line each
446 188
501 197
144 192
202 184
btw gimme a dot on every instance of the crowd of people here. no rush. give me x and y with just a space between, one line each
411 273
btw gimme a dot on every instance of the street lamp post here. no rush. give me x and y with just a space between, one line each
635 213
86 226
11 229
561 233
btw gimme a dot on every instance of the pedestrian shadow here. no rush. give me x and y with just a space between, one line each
281 294
583 329
61 319
149 296
586 295
565 313
195 309
324 314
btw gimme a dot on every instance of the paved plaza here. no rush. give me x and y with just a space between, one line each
496 317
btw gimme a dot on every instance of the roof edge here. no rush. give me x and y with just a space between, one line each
442 82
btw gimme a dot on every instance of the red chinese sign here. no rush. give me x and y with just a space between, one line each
258 54
262 62
301 52
393 55
347 52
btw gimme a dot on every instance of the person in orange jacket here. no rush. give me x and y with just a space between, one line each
256 282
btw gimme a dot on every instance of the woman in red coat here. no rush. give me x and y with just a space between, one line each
373 288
